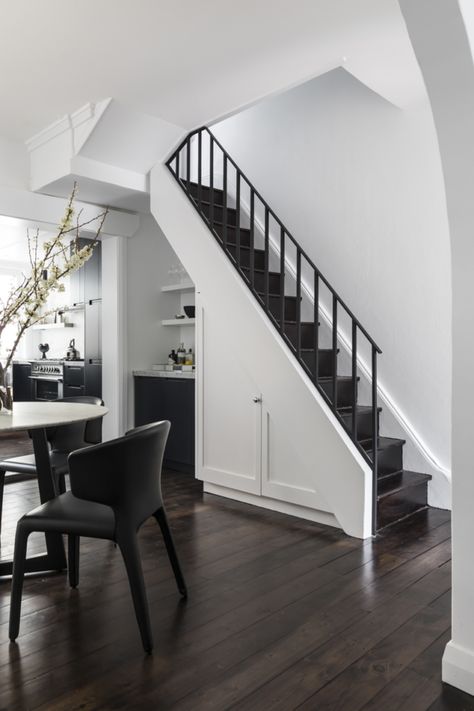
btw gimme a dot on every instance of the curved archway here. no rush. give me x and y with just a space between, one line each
439 32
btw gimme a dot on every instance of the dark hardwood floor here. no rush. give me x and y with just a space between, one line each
282 614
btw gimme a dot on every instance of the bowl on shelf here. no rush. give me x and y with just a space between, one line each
190 311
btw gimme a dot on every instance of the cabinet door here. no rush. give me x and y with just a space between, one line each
229 414
22 385
179 410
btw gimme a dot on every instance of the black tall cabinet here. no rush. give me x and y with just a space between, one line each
86 288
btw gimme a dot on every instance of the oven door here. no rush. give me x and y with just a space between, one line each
45 388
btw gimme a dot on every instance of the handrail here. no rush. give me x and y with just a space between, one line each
280 223
263 293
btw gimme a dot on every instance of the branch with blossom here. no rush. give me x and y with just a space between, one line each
50 263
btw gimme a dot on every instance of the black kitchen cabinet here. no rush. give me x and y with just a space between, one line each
87 291
22 389
73 384
169 399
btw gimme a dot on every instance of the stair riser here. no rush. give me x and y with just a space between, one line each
219 214
390 459
275 308
325 362
307 331
232 235
206 193
344 392
259 257
274 281
400 504
364 424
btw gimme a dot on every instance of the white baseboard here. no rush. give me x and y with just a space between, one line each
458 667
323 517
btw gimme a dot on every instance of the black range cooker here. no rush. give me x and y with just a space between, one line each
52 379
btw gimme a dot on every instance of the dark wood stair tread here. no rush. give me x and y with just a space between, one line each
399 481
382 443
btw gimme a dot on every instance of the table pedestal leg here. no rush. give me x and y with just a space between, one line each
55 558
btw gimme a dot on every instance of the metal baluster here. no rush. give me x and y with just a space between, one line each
252 238
224 204
237 217
374 440
298 304
211 182
316 326
188 164
200 170
334 352
282 280
267 259
354 380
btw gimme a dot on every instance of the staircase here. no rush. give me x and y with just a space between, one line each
321 332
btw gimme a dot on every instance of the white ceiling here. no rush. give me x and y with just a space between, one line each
189 62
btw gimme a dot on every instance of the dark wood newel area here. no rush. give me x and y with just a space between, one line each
282 614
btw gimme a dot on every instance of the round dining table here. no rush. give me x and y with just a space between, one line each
35 418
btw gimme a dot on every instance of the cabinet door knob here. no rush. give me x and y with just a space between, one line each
257 399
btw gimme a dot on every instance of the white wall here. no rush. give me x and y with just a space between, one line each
14 164
149 257
359 184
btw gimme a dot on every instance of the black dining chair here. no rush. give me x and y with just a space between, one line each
62 441
115 488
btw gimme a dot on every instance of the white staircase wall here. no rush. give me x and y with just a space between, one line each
292 408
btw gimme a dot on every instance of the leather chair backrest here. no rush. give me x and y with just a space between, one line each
76 435
124 473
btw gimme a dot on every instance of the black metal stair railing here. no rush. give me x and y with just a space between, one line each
200 164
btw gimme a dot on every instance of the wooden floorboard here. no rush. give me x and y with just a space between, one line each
282 614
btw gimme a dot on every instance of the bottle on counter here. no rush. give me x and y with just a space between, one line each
181 354
189 357
172 358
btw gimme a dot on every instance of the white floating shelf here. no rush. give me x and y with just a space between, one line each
179 287
50 326
179 322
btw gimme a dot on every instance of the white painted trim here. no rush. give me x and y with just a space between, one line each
458 667
47 134
263 502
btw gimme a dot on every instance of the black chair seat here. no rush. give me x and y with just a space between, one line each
27 464
68 514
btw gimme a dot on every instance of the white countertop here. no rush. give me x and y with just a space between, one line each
35 415
181 374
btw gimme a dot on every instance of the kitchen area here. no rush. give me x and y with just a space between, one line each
62 355
165 390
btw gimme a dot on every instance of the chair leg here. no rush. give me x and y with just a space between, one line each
73 559
173 556
128 545
19 558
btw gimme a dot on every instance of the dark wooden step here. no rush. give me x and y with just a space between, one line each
220 214
218 196
364 421
325 361
274 304
259 256
401 495
344 389
390 454
307 331
274 280
232 234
